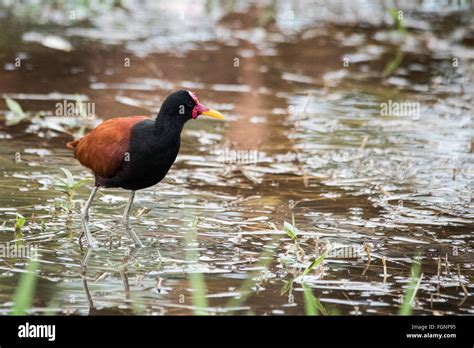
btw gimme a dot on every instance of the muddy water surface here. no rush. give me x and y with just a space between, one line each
304 135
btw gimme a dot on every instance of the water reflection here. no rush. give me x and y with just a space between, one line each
119 310
350 175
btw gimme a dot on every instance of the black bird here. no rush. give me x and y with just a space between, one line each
136 152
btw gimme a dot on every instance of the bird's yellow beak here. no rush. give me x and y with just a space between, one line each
213 113
200 109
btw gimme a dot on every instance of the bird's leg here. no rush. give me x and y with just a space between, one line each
126 221
85 210
91 242
128 208
133 235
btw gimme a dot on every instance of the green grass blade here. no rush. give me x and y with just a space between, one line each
19 222
287 287
25 289
199 293
394 63
312 305
196 280
17 114
14 107
69 178
290 230
316 262
411 290
245 289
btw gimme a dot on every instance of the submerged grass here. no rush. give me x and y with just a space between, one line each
245 289
412 289
24 292
312 305
397 17
19 224
196 279
397 59
198 285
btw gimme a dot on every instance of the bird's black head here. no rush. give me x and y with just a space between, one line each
181 106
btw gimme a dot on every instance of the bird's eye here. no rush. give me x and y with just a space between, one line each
190 103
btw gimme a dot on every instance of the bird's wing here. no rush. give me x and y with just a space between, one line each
103 150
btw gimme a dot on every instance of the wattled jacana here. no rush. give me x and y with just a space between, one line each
136 152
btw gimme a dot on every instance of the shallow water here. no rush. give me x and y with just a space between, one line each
381 188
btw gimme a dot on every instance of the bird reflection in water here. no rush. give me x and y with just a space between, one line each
117 310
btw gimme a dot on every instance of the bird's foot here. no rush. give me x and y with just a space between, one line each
85 216
136 240
138 243
125 222
92 243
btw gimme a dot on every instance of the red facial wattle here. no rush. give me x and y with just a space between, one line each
196 110
200 109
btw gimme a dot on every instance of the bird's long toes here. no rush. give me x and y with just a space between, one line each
138 243
92 243
126 221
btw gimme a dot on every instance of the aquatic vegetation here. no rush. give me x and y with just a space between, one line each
25 289
196 279
68 186
291 229
397 17
370 188
410 292
18 228
245 289
74 122
292 232
316 262
267 16
19 223
16 113
301 256
312 305
394 63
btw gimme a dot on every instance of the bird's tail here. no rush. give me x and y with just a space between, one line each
72 144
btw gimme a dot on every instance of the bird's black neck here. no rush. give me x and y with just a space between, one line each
168 124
